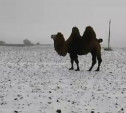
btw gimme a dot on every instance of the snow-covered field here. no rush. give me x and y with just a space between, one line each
37 80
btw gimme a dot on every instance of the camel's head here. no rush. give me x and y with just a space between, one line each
58 37
59 43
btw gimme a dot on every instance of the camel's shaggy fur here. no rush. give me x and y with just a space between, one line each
79 45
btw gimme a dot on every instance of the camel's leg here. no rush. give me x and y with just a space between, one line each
77 62
72 61
93 61
99 61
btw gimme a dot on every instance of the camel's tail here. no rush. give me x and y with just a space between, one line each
100 40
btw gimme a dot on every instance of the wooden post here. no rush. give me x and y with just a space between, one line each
109 36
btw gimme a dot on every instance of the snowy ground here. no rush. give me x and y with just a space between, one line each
37 80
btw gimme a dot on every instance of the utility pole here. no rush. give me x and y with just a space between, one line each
109 35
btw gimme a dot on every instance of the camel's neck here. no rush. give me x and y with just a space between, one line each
61 48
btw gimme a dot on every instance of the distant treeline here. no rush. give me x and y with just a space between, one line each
18 45
26 42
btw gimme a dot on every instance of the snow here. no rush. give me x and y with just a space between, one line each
37 80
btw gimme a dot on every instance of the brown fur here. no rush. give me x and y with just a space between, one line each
79 45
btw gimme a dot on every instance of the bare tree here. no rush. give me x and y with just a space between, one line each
109 35
2 43
109 48
37 43
27 42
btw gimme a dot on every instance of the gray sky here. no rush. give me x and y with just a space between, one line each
36 20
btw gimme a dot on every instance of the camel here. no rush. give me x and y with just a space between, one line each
79 45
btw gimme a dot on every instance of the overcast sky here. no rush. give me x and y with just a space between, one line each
36 20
